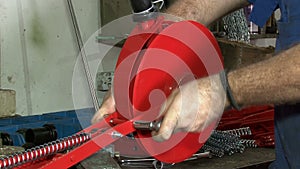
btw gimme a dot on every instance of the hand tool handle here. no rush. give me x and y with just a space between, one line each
143 125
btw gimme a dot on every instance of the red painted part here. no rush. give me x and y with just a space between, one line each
139 37
99 141
260 119
250 116
180 53
128 63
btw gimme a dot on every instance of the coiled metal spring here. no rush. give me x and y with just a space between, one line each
249 143
45 150
245 131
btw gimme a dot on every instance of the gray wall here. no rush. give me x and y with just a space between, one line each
38 51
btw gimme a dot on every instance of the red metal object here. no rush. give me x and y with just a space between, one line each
260 119
180 53
146 74
159 56
102 135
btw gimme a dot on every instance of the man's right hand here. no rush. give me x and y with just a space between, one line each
107 107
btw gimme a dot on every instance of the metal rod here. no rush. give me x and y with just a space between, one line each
24 58
83 56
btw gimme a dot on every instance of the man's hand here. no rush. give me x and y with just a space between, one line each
192 107
107 107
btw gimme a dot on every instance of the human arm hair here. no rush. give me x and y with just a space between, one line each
272 81
204 11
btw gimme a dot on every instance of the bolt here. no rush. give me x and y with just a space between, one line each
116 135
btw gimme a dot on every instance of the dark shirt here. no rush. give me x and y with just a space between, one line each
287 117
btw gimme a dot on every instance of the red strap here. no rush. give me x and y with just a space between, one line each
98 141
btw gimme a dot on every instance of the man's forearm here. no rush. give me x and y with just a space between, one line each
273 81
204 11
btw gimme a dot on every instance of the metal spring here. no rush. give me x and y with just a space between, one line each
218 144
44 150
225 136
213 150
226 141
245 131
249 143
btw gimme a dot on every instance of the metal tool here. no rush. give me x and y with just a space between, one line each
200 155
152 162
143 125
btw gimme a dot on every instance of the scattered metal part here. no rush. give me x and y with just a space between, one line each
236 26
9 150
160 165
136 165
213 150
111 150
200 155
100 160
136 162
128 160
116 135
104 80
228 137
228 142
152 162
256 123
220 143
227 148
249 143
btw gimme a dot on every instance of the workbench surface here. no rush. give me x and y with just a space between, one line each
252 158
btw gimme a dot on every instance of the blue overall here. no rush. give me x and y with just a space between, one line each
287 117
